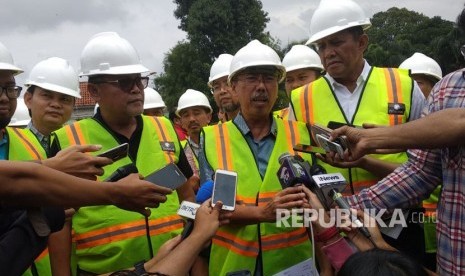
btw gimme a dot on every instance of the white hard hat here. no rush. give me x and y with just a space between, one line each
6 61
192 98
109 54
55 74
301 56
220 68
255 54
333 16
152 99
419 63
21 116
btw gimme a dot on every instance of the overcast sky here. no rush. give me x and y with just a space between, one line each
35 30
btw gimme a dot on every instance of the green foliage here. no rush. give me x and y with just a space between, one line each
183 69
213 27
398 33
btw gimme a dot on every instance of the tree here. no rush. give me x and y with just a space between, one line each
398 33
213 27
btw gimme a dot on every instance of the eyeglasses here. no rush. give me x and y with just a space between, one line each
255 79
12 92
128 83
218 85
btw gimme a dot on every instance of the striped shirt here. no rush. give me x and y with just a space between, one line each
425 169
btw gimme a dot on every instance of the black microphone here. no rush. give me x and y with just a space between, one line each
342 203
122 172
317 170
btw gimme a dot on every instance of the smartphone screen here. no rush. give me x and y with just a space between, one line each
224 189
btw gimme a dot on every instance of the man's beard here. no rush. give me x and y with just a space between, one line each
231 107
4 122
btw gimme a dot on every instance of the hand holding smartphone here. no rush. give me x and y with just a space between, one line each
116 153
224 189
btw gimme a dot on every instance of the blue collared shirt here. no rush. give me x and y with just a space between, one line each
44 140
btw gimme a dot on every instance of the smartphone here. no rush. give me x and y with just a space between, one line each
326 133
329 145
169 176
116 153
335 125
224 189
308 149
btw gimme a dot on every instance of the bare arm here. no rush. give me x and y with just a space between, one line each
436 130
31 184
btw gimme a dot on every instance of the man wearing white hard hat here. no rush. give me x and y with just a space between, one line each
218 82
303 65
353 92
424 70
52 89
195 112
115 77
153 103
251 145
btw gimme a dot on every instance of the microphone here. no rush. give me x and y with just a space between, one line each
122 172
342 203
187 210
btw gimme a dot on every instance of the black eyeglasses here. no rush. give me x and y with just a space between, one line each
128 83
12 92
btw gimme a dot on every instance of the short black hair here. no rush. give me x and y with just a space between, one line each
356 31
381 263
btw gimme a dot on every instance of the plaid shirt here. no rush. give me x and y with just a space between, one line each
426 169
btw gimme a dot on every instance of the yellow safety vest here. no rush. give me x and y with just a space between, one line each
24 146
237 247
385 91
108 238
282 113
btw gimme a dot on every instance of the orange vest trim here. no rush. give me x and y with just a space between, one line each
248 201
265 197
164 135
394 91
223 149
277 241
29 147
128 230
42 255
306 103
235 244
74 133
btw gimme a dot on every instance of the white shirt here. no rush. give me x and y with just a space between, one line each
349 100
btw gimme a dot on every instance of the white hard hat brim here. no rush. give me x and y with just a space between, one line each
118 70
10 67
327 32
55 88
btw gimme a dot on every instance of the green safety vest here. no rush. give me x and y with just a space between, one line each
24 146
108 238
282 113
385 90
236 247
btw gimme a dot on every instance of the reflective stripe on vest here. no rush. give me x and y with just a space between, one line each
385 87
235 246
106 237
23 145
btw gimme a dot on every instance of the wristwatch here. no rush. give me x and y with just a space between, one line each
139 268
